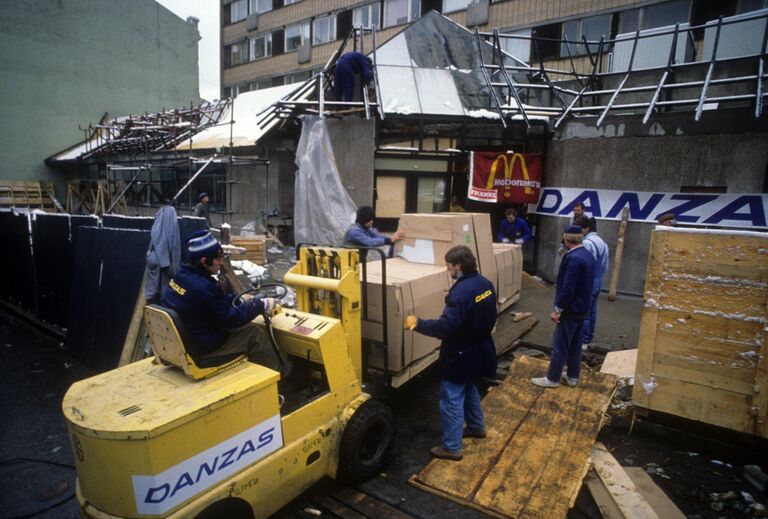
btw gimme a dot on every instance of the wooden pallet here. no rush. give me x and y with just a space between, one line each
255 248
22 194
537 450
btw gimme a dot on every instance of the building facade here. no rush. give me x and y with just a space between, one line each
67 63
267 43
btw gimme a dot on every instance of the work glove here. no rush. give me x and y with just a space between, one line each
519 241
505 240
410 322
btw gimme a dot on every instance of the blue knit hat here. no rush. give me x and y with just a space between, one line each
202 244
572 229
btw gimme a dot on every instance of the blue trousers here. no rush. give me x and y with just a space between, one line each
566 349
459 403
344 81
588 333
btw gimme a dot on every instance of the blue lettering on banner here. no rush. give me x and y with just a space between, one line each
721 210
633 201
755 216
692 202
159 493
591 202
546 194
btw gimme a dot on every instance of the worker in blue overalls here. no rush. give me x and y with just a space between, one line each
347 66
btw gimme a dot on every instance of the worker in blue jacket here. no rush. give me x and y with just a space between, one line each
347 66
573 299
513 228
219 331
467 351
362 233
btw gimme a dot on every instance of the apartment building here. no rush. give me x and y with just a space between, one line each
267 43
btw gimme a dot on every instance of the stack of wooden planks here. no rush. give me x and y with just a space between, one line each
626 492
702 349
537 451
21 194
255 248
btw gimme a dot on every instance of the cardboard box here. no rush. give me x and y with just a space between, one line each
429 236
410 288
509 265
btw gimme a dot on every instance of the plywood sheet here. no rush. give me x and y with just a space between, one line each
620 363
537 450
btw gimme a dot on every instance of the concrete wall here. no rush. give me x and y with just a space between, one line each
662 157
354 145
66 63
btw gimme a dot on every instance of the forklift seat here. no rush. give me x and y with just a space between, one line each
168 336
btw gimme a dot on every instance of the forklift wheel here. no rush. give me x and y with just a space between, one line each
366 441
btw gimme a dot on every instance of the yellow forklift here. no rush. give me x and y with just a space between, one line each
166 437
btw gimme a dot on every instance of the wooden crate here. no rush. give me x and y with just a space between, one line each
702 350
255 247
22 194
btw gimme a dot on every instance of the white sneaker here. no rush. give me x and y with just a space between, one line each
585 346
544 382
572 382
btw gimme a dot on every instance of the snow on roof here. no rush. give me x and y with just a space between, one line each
239 123
434 67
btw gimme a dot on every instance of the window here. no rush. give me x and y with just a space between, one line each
324 30
367 16
261 6
397 12
296 35
239 89
238 10
298 77
746 6
518 47
261 47
455 5
261 84
238 53
659 15
430 195
590 28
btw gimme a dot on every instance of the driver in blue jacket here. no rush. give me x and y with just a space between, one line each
219 330
467 351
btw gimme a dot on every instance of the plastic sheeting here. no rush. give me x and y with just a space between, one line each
323 210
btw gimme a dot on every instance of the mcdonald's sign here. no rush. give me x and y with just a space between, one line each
505 177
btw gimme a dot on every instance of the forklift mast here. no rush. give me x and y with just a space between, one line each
327 282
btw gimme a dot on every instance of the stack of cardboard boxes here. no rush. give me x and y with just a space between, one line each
417 282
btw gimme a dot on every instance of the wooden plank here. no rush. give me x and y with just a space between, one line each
367 505
653 495
130 344
701 403
605 503
537 451
622 489
335 507
700 327
759 409
618 255
620 363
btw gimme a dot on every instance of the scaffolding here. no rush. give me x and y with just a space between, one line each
313 95
518 88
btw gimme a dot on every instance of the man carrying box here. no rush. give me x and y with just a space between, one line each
467 352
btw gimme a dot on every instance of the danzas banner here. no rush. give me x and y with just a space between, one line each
505 177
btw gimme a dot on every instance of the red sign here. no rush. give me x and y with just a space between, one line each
505 177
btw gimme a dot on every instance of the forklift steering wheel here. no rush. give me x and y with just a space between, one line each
274 290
